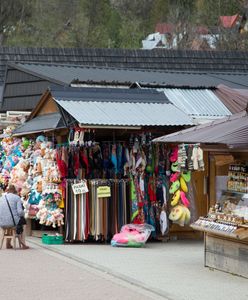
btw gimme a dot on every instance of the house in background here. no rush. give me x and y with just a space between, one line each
230 21
169 36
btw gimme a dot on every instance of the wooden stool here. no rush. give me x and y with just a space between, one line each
9 233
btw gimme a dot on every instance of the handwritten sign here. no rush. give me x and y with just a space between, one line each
80 188
103 192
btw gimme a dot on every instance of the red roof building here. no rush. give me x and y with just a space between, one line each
229 21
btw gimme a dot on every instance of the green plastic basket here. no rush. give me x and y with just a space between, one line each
52 239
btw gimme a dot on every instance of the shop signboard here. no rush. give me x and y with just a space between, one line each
80 188
103 192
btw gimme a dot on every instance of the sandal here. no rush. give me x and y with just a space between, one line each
184 199
175 167
174 187
186 176
174 177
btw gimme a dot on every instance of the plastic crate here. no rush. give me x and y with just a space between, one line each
52 239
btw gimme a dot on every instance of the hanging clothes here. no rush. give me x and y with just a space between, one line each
76 214
91 216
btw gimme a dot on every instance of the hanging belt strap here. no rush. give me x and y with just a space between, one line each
10 210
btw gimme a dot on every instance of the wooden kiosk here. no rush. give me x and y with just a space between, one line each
225 226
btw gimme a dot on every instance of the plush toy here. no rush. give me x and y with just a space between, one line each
42 215
19 174
38 167
25 190
180 215
58 217
8 130
48 154
25 143
40 139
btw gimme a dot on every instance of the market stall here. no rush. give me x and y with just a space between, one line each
225 226
97 172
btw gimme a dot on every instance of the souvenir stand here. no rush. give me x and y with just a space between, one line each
123 178
88 185
225 225
96 178
133 180
30 165
186 188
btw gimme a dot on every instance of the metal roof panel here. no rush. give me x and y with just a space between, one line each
124 114
232 131
197 103
40 123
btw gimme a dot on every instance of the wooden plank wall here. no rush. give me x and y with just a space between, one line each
226 255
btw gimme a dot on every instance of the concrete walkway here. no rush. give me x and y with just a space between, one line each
171 270
43 274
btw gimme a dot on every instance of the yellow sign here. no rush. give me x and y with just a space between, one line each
103 192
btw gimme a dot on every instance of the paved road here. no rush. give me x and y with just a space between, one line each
41 274
172 270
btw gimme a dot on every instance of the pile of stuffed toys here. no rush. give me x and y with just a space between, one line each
31 167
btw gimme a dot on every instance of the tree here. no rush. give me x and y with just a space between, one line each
12 14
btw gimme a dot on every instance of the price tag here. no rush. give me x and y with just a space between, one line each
80 188
103 192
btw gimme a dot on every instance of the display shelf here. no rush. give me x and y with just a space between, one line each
239 233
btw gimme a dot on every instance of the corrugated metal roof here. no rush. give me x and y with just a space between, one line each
119 107
232 131
64 74
124 114
40 123
234 100
197 103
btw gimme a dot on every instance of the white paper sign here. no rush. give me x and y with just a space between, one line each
80 188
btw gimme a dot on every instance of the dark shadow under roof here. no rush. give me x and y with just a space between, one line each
122 95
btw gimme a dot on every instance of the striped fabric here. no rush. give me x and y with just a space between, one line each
88 217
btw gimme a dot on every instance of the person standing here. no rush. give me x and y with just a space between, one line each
6 219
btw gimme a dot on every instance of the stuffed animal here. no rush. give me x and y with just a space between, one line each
25 190
180 215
